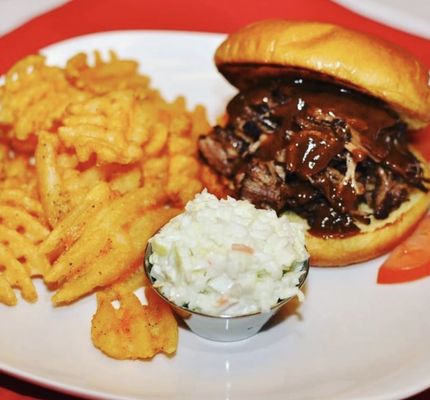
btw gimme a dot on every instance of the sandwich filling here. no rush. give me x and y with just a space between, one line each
332 155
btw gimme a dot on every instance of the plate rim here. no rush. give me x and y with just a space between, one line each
72 389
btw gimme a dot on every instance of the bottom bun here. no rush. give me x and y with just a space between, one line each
373 240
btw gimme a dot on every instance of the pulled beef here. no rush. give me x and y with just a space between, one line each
383 191
263 185
316 149
223 150
325 221
310 151
339 194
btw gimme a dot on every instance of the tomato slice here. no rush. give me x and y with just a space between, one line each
410 260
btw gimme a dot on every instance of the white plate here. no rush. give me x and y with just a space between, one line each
350 339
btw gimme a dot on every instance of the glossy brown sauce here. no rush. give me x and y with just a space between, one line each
305 126
297 97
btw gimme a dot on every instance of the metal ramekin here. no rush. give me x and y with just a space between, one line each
223 328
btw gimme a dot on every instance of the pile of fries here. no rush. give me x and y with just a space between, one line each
93 161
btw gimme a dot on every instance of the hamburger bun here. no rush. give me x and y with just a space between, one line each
333 53
373 240
277 48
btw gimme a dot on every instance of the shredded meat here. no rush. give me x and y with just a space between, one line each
390 195
223 150
316 149
263 186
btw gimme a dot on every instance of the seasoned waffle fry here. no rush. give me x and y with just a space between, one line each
24 251
112 126
55 201
159 135
34 97
14 276
95 236
134 331
70 228
19 261
7 295
22 227
104 77
105 267
124 181
23 222
18 173
115 253
19 198
183 178
93 161
127 283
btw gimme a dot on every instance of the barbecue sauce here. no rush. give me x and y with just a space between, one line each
306 126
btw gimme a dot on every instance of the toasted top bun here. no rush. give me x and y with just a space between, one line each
356 60
374 239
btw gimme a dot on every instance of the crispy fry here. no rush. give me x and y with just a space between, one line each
134 331
124 181
158 139
93 161
156 170
70 228
23 222
212 182
146 225
18 173
54 199
78 181
22 226
112 126
19 198
19 261
200 124
7 295
103 268
34 97
183 182
104 77
119 252
112 217
127 284
14 276
35 263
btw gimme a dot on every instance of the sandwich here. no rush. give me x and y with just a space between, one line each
319 130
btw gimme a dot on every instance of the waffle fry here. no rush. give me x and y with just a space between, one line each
111 237
134 330
19 198
55 200
71 227
22 227
14 276
93 161
107 126
23 222
34 97
105 76
17 172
